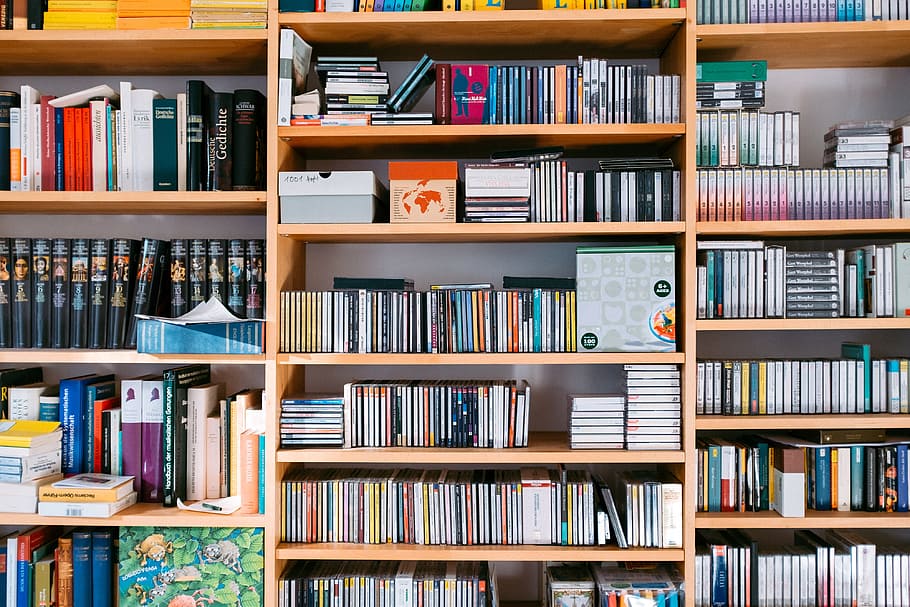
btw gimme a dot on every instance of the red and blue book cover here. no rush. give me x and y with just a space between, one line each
470 93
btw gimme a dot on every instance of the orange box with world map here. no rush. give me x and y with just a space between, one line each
423 191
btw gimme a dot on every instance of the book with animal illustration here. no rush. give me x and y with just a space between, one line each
190 566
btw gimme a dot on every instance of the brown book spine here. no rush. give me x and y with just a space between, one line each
64 554
249 474
443 93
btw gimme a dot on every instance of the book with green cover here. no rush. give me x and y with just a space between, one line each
731 71
164 138
863 354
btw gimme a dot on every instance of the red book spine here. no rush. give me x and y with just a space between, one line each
48 147
86 123
77 150
69 148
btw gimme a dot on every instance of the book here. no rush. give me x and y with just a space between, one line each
87 487
235 268
21 289
8 100
216 269
41 292
23 401
32 434
124 261
249 146
294 56
176 381
64 557
470 93
22 496
142 138
160 337
254 263
150 271
198 274
16 377
219 124
414 85
99 292
178 261
84 509
80 294
60 292
6 295
197 100
102 567
73 419
202 402
164 139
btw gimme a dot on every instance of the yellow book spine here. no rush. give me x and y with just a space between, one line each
833 452
621 4
467 5
48 493
448 5
81 5
744 397
762 386
489 5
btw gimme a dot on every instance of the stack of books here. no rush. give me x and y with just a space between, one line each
597 421
312 420
153 14
731 85
80 14
88 494
353 85
30 456
497 192
863 144
228 14
812 284
653 415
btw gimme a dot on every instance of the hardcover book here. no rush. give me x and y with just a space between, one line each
16 377
255 279
99 295
470 93
219 124
79 292
149 270
6 308
164 139
179 264
220 567
60 293
236 277
124 253
197 100
41 293
197 280
216 266
248 169
73 419
22 294
152 424
173 449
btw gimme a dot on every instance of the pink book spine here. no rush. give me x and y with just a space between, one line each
131 428
152 427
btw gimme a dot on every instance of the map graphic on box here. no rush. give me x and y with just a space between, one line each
171 566
626 298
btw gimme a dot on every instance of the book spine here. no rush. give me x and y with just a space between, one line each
179 292
164 140
82 569
198 252
22 293
102 568
59 150
48 144
152 422
156 337
131 423
15 148
99 296
60 293
236 277
216 266
149 275
174 443
254 263
6 295
64 557
41 288
98 143
69 149
249 140
443 93
8 99
197 93
85 115
142 138
123 266
213 457
79 292
219 141
249 471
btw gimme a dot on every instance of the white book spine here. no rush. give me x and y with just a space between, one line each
99 134
35 152
125 165
142 140
15 151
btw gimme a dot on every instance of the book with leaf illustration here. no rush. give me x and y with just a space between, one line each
213 566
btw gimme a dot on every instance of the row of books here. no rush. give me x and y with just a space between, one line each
739 138
823 567
804 387
747 279
592 91
745 194
102 139
768 11
611 585
736 95
85 293
308 6
448 319
863 143
142 14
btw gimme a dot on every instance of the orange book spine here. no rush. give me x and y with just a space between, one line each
516 315
100 406
69 148
64 555
79 184
249 479
86 124
561 94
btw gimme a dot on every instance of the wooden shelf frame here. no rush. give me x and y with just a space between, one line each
807 324
812 520
141 515
133 203
127 357
788 422
543 358
822 228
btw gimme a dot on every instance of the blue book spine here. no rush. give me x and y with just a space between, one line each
537 319
399 6
719 576
857 477
856 10
408 6
102 568
714 478
903 487
379 6
841 10
262 474
155 337
72 419
822 478
59 176
3 574
82 569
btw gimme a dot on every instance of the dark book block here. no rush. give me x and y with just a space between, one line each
22 293
174 446
124 254
198 266
102 567
219 141
80 258
6 308
60 292
150 277
413 86
216 266
179 291
236 276
16 377
255 278
41 293
59 149
8 99
248 169
164 138
99 292
197 100
35 13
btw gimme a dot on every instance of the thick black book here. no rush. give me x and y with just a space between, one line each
99 292
248 169
8 99
6 284
22 293
871 484
216 267
35 10
41 293
219 123
151 273
644 193
255 278
368 282
60 293
590 205
80 260
236 276
179 288
197 100
174 443
198 268
666 195
16 377
124 254
538 282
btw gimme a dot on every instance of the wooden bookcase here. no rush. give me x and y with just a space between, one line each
666 35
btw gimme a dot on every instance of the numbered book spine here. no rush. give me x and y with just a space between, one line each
150 269
123 268
6 308
255 284
22 293
179 292
99 292
60 293
198 268
215 270
41 293
80 259
249 140
236 277
219 141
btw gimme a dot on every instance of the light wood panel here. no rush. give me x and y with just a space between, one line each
788 422
105 53
43 356
808 45
141 515
807 324
543 448
818 228
474 232
812 520
571 358
490 35
133 203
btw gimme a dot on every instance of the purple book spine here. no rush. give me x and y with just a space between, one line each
152 425
131 424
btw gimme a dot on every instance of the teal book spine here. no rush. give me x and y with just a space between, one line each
82 569
862 353
164 137
823 478
156 337
537 320
262 474
714 478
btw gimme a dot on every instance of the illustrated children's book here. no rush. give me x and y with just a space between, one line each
180 566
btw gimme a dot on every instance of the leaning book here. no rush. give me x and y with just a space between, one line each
210 566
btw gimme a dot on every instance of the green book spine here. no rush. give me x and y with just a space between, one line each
164 137
731 71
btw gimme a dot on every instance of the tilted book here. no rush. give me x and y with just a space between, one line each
173 449
149 272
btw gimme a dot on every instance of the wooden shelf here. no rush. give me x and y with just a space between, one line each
133 203
409 552
95 357
788 422
567 358
108 53
808 45
543 448
817 228
812 520
142 515
508 34
453 141
474 232
801 324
